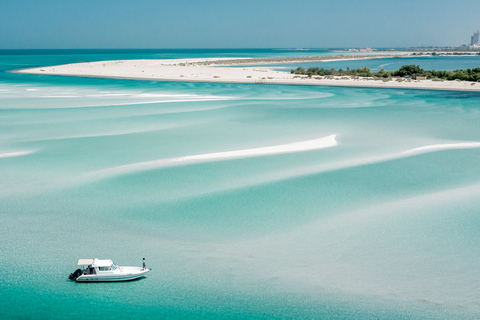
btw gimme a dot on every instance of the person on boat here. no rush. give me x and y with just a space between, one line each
143 263
90 269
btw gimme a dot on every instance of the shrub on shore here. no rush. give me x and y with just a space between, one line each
407 71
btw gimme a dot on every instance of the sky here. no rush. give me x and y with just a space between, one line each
85 24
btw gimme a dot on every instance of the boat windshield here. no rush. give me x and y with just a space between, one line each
113 267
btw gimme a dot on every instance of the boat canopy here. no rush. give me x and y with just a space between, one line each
103 263
95 262
84 262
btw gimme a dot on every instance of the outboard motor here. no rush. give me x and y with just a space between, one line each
75 275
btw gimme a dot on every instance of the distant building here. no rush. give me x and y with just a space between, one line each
475 39
361 49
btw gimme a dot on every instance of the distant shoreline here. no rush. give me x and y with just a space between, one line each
220 70
258 61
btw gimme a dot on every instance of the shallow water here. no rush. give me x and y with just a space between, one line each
383 224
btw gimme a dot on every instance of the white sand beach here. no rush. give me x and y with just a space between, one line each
221 70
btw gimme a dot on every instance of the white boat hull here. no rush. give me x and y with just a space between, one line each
124 274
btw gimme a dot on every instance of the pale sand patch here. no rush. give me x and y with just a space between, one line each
307 145
445 146
15 154
215 70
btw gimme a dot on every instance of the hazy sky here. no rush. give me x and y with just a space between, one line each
43 24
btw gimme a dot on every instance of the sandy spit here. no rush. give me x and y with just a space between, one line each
221 70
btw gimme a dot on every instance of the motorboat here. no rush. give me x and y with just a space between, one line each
96 270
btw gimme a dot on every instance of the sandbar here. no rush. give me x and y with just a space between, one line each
445 146
15 154
293 147
307 145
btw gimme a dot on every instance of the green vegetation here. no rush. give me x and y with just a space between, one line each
407 71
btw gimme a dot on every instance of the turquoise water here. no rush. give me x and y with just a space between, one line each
383 225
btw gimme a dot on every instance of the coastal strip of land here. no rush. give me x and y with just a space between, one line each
241 70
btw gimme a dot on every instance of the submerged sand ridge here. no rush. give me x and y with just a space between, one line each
221 70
